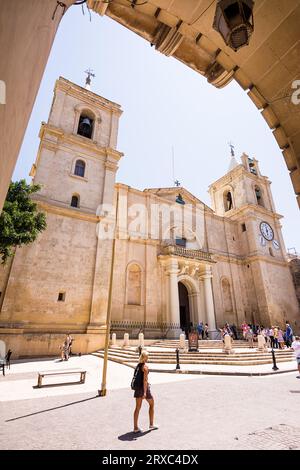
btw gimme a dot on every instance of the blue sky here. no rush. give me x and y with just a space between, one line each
165 104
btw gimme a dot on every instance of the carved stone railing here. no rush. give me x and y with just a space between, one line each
148 328
186 253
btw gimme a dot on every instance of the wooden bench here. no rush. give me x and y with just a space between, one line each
49 373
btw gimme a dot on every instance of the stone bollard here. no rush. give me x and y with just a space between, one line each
126 340
2 349
261 343
182 341
113 340
141 340
228 345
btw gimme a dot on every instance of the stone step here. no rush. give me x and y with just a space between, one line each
205 344
207 359
247 358
229 361
209 354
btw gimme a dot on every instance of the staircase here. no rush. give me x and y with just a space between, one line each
129 357
202 344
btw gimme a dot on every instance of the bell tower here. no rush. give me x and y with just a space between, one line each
243 198
77 158
243 185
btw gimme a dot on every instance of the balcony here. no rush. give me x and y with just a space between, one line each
174 250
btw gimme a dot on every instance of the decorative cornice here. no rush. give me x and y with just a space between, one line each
240 212
244 260
75 139
56 207
90 97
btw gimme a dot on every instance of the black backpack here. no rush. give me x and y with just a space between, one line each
138 377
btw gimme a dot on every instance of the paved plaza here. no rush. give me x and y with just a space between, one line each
193 412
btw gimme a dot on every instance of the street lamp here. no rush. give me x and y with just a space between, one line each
102 392
234 21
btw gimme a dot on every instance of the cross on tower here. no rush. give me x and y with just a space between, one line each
90 73
177 183
231 148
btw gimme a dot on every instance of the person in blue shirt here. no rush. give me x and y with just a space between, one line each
200 329
288 335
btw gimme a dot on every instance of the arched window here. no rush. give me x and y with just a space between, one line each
134 285
228 201
79 168
75 201
86 125
258 195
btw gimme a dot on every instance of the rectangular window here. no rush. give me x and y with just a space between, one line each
244 228
180 242
61 297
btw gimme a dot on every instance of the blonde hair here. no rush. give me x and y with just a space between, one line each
143 357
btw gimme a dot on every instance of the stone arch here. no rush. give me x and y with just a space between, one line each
259 195
75 200
89 111
228 199
85 161
193 289
134 284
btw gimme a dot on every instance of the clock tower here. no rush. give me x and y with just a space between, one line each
243 196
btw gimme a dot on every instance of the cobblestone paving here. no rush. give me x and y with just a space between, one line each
206 413
280 437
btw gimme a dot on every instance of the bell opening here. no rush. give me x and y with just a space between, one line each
85 126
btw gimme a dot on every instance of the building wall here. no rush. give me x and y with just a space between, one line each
61 260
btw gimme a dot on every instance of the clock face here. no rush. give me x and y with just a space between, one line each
276 245
266 231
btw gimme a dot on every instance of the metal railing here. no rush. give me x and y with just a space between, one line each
186 253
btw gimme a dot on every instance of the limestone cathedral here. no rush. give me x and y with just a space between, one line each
177 261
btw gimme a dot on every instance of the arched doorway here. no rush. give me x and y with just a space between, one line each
184 307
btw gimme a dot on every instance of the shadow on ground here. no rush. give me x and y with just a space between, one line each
132 436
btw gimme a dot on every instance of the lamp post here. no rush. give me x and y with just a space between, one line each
102 392
274 360
177 359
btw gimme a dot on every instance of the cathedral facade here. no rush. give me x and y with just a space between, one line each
169 258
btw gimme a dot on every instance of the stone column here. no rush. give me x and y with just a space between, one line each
172 269
209 300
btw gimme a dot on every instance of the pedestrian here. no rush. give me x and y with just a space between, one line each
70 340
206 330
275 330
271 335
65 347
244 330
142 391
296 349
200 329
280 339
224 333
228 328
265 333
250 336
288 334
234 331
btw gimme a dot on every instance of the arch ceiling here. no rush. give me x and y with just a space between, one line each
266 69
